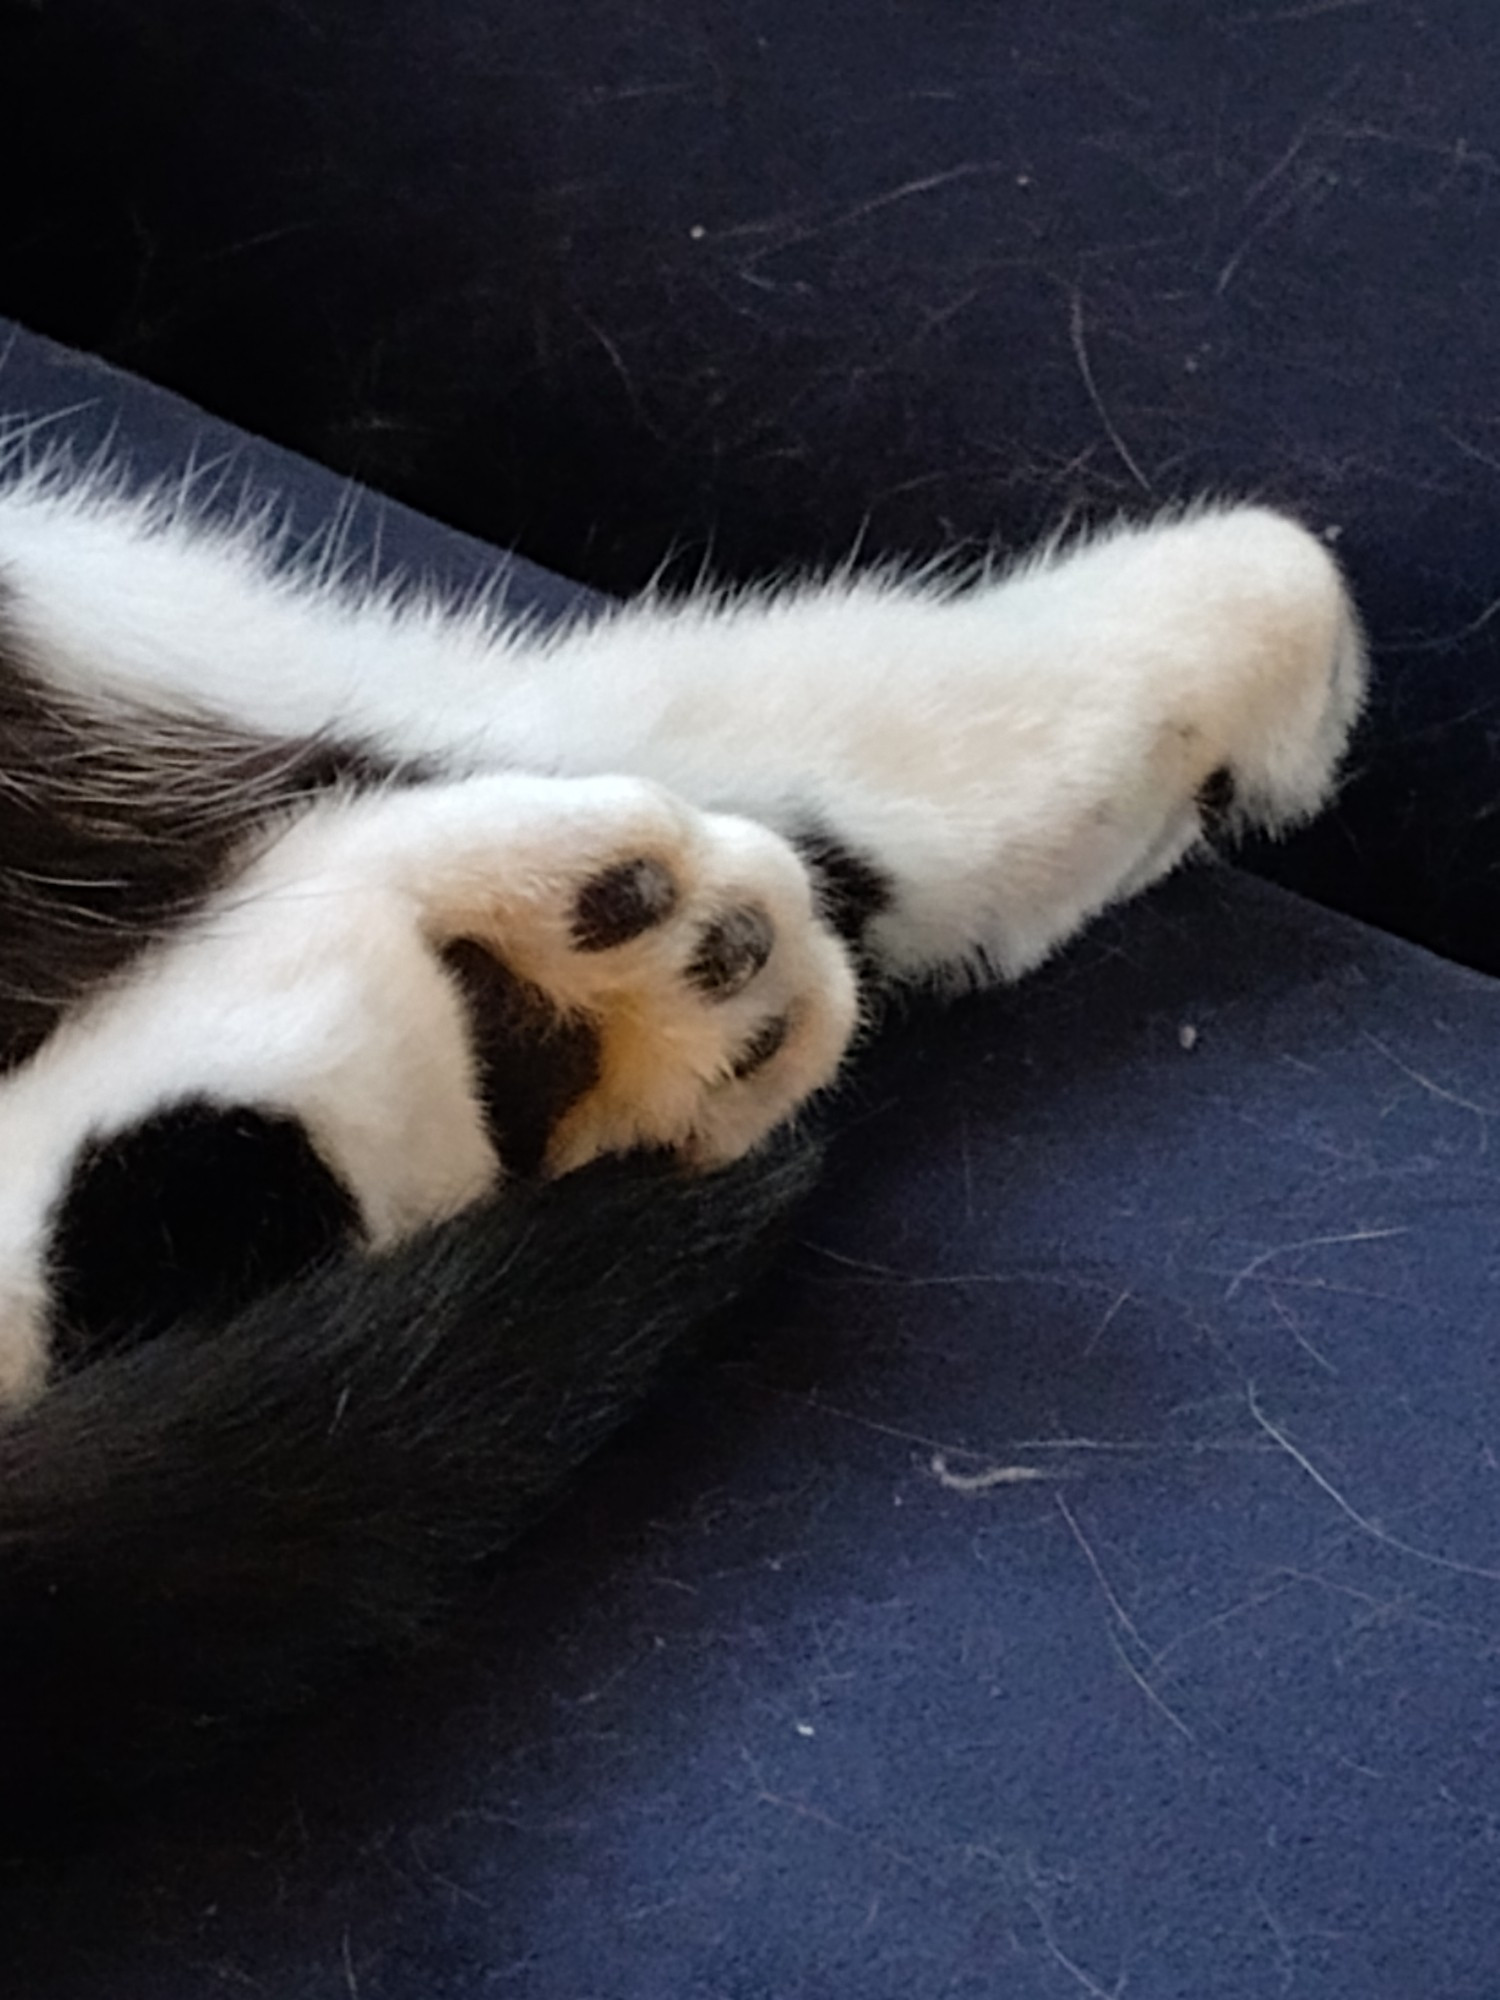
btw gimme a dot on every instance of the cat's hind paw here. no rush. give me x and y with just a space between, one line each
679 955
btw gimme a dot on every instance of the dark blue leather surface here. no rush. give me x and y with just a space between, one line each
758 279
1084 1579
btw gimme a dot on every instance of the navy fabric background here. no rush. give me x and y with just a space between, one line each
1082 1577
752 280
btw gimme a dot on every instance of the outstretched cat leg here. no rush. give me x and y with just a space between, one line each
976 768
979 770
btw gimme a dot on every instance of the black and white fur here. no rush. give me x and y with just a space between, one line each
378 898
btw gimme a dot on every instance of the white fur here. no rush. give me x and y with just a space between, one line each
1018 753
1015 755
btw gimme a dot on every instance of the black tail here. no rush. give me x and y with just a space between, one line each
198 1532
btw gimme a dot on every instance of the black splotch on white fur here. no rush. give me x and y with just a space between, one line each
115 823
534 1063
852 891
192 1213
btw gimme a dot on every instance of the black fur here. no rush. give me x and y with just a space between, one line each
114 824
197 1210
852 891
533 1063
199 1531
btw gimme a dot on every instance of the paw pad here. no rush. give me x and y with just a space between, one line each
1215 800
618 905
731 951
763 1047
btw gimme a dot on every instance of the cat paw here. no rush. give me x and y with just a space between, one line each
1275 683
1140 694
670 965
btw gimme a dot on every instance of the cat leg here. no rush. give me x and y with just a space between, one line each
978 771
343 979
985 767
